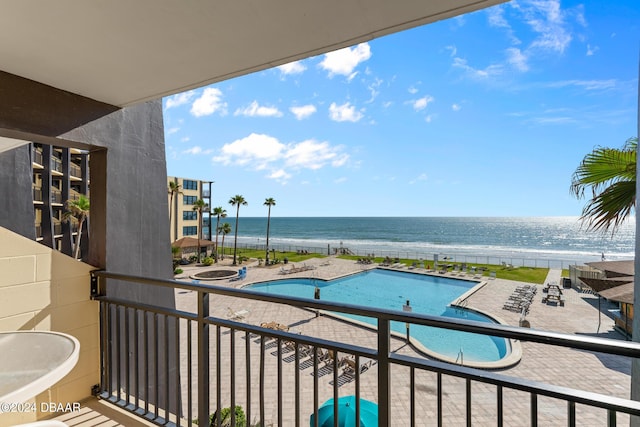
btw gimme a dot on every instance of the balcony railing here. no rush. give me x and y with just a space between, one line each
219 362
56 164
75 170
37 194
56 196
37 155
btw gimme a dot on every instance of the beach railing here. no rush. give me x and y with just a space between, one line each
415 255
175 366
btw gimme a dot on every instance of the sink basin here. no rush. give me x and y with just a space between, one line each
33 361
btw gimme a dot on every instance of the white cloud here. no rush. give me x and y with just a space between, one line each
197 150
209 102
344 61
179 99
456 107
496 17
585 84
453 50
173 130
264 152
311 154
429 118
255 149
303 111
256 110
344 113
476 73
412 90
547 19
591 50
421 104
185 139
517 59
295 67
280 176
340 180
421 177
374 89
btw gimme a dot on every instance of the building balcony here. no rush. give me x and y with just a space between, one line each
56 197
37 194
184 363
57 228
37 160
75 172
56 166
222 346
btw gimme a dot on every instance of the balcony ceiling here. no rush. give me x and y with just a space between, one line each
122 52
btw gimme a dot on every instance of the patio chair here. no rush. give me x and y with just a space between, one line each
236 315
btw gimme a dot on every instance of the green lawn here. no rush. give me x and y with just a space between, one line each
521 274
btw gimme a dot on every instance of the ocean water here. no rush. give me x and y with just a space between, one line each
541 241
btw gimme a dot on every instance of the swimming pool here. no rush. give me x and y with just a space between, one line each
390 290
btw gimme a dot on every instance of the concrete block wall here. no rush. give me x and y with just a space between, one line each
43 289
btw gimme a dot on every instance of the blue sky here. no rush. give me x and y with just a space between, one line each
486 114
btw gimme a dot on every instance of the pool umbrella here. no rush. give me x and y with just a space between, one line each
347 413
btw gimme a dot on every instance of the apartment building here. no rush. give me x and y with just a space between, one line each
59 174
182 218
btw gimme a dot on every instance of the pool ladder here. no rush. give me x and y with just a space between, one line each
460 357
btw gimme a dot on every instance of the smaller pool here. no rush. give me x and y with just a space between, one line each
390 290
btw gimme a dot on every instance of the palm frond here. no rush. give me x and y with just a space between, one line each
610 208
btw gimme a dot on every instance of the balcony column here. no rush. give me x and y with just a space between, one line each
384 374
84 189
130 217
67 230
635 363
16 174
47 209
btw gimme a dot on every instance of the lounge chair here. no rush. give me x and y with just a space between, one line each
350 367
236 315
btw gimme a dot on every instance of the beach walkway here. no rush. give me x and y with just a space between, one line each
554 276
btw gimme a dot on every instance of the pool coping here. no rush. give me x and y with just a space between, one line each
512 358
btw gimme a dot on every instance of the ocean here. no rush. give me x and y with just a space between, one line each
532 241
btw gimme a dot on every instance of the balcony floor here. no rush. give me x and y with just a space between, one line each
97 413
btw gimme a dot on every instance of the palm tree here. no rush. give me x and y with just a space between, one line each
611 175
219 212
237 200
79 209
174 189
225 229
200 206
268 202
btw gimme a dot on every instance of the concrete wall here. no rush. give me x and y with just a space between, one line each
42 289
16 208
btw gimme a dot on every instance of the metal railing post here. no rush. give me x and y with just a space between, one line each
384 374
203 358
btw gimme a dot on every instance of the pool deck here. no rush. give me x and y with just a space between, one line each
582 370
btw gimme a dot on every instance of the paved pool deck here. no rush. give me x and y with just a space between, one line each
609 375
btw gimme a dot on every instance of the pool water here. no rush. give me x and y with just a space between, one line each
391 290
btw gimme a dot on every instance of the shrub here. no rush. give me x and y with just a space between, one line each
193 258
207 261
225 418
178 271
